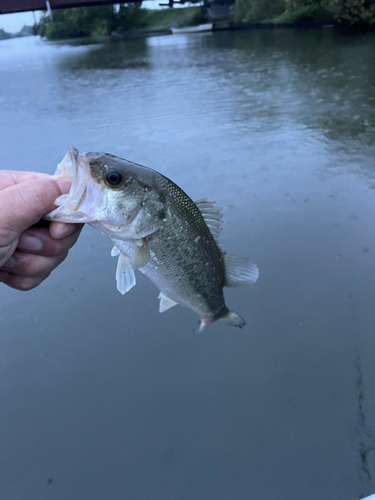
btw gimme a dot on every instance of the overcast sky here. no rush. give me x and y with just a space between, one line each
14 22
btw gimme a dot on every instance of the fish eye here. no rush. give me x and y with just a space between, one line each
113 178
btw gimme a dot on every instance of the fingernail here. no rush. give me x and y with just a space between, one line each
64 186
30 243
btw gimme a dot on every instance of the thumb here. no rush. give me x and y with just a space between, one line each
24 204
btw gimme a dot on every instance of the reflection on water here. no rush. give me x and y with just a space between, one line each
101 396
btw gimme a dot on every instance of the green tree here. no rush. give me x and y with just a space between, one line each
129 16
352 11
307 10
245 11
76 22
89 21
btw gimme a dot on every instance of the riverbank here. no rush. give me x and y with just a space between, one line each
104 21
152 19
226 26
133 21
26 31
232 26
349 16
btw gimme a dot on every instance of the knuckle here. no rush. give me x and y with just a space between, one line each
41 197
43 267
51 248
35 268
56 247
37 197
30 266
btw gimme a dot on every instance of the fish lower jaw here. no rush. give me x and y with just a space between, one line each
116 233
72 217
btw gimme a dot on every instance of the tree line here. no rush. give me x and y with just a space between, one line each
353 12
89 21
103 20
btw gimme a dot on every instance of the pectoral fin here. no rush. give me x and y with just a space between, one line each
141 256
115 251
125 276
165 302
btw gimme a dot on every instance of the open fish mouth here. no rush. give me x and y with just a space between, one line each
77 205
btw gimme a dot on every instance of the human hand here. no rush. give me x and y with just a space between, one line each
29 251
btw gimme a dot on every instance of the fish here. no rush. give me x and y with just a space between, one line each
156 228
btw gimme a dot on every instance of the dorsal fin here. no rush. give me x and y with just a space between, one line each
212 216
239 271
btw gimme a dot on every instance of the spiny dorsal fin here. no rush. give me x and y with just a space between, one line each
212 216
239 271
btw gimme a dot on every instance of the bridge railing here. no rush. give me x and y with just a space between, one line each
13 6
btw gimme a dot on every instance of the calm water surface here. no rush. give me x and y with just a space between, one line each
102 397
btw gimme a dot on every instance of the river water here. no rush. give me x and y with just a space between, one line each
102 397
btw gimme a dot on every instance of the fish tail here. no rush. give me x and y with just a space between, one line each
233 319
229 317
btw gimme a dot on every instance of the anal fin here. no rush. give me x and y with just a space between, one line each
125 276
165 302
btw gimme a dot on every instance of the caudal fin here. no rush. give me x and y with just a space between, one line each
233 319
229 317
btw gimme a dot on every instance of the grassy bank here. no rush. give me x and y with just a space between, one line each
354 13
163 19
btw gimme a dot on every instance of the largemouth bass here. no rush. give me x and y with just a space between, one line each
155 228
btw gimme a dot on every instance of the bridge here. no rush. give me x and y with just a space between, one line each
13 6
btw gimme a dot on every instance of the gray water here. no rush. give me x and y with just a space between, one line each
102 397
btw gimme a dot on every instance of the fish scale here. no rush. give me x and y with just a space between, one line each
195 268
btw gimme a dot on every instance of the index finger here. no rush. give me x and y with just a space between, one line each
11 177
